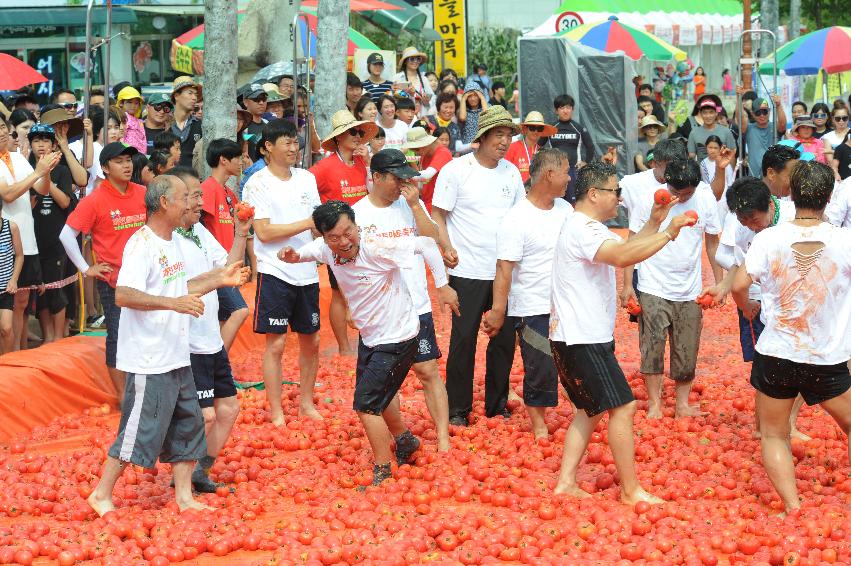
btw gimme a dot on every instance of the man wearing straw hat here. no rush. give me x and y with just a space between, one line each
526 244
342 176
185 94
433 157
521 152
472 195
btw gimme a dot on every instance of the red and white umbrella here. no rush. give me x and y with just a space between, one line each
15 74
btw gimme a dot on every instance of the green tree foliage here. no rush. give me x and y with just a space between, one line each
816 14
496 48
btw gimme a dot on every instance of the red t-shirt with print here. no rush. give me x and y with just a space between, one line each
438 159
337 181
217 213
111 218
518 154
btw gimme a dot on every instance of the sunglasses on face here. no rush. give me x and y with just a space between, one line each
357 133
762 112
616 191
820 115
840 118
163 108
69 105
259 99
535 128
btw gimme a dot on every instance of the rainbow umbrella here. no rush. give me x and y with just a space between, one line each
828 49
611 36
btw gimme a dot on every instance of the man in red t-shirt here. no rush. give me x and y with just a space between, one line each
433 157
521 152
224 157
342 176
111 214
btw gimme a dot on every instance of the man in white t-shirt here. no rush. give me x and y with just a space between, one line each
287 296
17 177
582 322
211 367
803 268
838 211
160 415
369 271
670 283
472 195
393 209
526 244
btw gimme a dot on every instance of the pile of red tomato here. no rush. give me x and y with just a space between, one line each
489 500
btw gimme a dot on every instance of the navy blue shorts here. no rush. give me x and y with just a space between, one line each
213 377
111 315
380 372
230 301
427 348
748 335
540 379
592 376
279 305
785 379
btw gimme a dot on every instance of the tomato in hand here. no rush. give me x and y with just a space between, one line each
244 211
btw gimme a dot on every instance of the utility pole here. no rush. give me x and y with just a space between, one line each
794 19
747 45
220 63
332 36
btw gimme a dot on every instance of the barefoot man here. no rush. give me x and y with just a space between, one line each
582 322
803 269
369 272
160 415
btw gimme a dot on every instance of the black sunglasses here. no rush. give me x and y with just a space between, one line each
163 107
357 133
840 118
261 98
535 128
616 191
762 112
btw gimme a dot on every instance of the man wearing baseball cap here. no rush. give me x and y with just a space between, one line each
763 131
159 108
394 210
253 98
111 214
697 138
375 85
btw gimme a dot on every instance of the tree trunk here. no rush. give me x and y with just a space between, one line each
769 17
265 35
281 48
220 63
331 51
794 19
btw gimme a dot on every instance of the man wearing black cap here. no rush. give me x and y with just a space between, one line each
375 85
382 213
253 98
111 214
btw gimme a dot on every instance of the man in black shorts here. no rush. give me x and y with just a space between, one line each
582 323
802 269
369 271
160 415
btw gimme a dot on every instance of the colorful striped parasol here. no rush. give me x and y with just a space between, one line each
611 36
828 49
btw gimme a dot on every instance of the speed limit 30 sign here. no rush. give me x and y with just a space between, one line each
568 20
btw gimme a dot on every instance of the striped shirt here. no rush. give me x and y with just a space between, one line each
7 254
376 90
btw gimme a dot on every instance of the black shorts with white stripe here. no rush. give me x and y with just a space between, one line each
591 375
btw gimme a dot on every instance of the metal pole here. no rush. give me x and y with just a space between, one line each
108 47
87 79
746 61
308 147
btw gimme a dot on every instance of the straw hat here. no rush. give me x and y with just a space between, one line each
343 121
651 120
495 117
185 81
535 118
418 138
412 52
272 92
58 115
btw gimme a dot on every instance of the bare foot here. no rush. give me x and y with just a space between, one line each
654 413
571 491
278 420
193 504
443 444
513 396
797 434
348 353
309 412
640 495
689 411
757 434
541 433
101 506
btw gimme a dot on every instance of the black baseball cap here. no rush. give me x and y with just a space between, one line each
252 91
375 58
114 149
392 161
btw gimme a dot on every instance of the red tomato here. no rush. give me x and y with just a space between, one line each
693 215
705 301
633 307
662 196
244 211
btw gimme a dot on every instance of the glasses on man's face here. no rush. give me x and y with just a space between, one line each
69 105
164 108
820 116
535 128
260 99
761 112
616 191
840 118
357 133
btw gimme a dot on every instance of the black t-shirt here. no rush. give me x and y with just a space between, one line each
842 153
568 139
48 217
150 134
254 130
189 136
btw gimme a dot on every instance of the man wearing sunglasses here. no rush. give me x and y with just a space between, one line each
158 114
760 134
67 100
253 98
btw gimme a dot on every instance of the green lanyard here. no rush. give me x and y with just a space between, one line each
191 235
774 220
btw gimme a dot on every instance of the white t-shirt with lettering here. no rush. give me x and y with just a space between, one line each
395 137
374 286
205 337
584 292
807 310
153 342
528 236
674 272
476 199
397 221
283 202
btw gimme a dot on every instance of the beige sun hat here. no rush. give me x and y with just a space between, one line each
495 117
535 118
343 121
651 121
58 115
418 138
411 52
272 92
184 81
